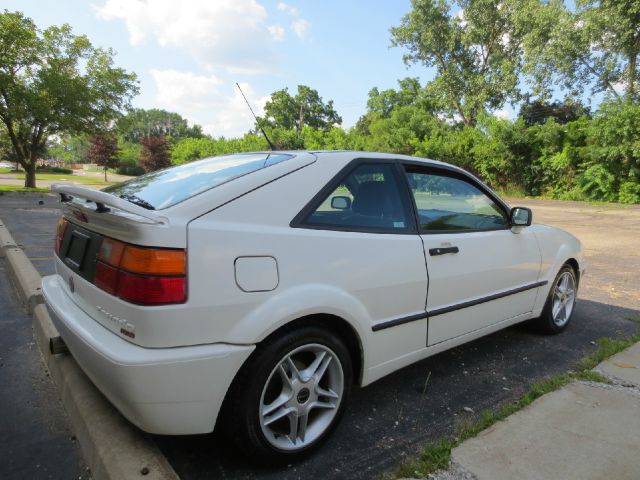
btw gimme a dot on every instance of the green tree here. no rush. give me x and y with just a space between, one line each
306 108
104 151
596 46
382 104
615 139
538 111
190 149
139 123
475 52
53 82
69 148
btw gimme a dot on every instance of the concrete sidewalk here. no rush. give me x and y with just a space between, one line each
585 430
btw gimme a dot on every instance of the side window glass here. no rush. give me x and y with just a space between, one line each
368 198
450 204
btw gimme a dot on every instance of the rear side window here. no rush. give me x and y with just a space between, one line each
369 198
162 189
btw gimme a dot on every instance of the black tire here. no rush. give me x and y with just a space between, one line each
246 401
549 323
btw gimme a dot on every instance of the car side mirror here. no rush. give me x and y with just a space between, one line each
520 217
341 203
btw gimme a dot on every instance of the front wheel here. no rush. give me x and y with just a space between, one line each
557 312
290 395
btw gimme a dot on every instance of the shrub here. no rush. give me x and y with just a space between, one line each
65 171
130 167
598 183
629 192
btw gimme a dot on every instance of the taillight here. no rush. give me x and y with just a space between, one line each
141 275
151 290
61 228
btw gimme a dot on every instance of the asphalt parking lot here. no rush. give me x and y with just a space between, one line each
36 441
393 418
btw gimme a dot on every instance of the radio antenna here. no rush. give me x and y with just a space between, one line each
254 116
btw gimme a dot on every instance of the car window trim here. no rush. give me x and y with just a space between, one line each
446 171
405 197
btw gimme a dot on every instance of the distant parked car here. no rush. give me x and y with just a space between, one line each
254 289
7 165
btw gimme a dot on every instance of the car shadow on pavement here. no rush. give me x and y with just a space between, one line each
393 418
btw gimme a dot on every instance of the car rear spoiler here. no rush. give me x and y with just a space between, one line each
103 201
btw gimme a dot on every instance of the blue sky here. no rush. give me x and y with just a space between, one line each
188 54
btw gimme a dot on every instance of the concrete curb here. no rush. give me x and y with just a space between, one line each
25 277
6 240
112 447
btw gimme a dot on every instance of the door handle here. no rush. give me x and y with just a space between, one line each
443 250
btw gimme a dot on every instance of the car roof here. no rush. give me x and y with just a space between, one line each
320 154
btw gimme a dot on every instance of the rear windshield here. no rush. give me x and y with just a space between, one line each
165 188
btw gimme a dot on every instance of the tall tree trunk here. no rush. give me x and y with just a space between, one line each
631 80
30 174
105 173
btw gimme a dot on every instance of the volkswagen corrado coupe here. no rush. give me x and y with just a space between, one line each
253 290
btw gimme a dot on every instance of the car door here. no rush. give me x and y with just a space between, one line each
480 271
360 231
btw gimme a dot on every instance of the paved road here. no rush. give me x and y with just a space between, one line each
394 417
32 225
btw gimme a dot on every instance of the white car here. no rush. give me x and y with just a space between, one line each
253 290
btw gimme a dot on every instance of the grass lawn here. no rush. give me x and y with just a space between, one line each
17 188
63 177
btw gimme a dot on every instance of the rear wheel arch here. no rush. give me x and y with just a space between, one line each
335 324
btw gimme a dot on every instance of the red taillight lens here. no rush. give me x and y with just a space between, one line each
145 290
141 275
61 228
106 278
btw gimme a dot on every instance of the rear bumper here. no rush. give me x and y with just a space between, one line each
171 391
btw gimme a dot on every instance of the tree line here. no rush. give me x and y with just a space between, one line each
541 56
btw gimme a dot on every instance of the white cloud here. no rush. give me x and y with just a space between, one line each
184 90
276 31
300 27
620 86
502 114
207 101
291 10
233 117
227 33
461 18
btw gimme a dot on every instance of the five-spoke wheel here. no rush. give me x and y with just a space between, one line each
559 307
564 297
301 396
290 394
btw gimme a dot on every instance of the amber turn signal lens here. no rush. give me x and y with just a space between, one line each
153 261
